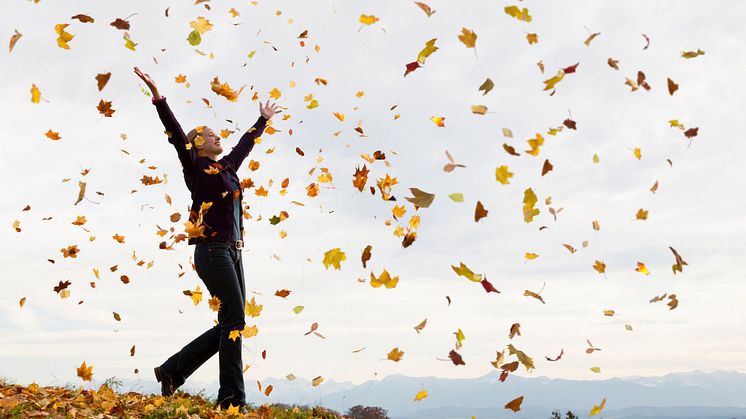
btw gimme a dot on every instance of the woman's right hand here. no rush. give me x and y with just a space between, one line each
148 81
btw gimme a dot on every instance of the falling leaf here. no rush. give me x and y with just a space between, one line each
420 326
597 409
457 197
35 94
438 120
426 51
334 257
678 266
253 309
421 198
515 404
467 273
414 65
120 24
590 38
225 90
468 38
546 168
527 293
63 37
117 317
13 39
368 19
102 79
283 293
479 109
672 87
316 381
425 8
526 360
479 212
104 108
85 372
384 279
529 201
641 214
532 38
642 269
456 358
420 395
562 351
597 370
515 329
395 355
487 86
55 136
518 13
488 287
297 309
692 54
22 301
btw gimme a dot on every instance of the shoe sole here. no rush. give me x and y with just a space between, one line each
157 371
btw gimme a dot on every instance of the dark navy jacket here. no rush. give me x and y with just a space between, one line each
216 188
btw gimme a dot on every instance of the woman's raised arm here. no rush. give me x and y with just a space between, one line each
187 155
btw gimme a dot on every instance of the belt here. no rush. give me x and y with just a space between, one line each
237 244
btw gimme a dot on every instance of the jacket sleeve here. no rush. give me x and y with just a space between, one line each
246 143
176 136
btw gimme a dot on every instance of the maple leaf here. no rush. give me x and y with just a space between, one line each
597 408
503 175
104 108
522 357
225 90
53 135
252 308
421 198
395 355
529 201
384 279
468 38
70 251
214 303
334 257
368 19
85 372
234 334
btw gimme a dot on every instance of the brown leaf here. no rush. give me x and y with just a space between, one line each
456 358
102 79
479 212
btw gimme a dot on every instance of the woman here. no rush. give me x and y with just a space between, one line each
215 227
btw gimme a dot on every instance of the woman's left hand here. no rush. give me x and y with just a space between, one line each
267 111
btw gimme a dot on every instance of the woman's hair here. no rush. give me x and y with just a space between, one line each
193 134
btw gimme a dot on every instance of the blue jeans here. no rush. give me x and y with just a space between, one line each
220 267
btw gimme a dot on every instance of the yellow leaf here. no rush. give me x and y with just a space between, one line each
384 279
464 271
532 38
316 381
128 43
231 410
518 13
529 201
201 25
638 153
550 82
85 372
468 38
252 308
596 369
248 332
599 266
439 120
35 94
531 256
522 357
642 269
234 334
692 54
398 211
214 303
334 257
479 109
275 93
368 20
535 143
609 313
590 38
196 295
420 395
503 175
339 116
63 37
395 355
641 214
425 52
597 409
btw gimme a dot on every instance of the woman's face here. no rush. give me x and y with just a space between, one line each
212 142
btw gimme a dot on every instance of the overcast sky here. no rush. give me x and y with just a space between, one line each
698 207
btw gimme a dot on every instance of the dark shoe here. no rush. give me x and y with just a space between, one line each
167 385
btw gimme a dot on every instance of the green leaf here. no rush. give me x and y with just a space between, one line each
297 309
194 38
457 197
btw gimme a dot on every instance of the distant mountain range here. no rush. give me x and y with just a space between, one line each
718 394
